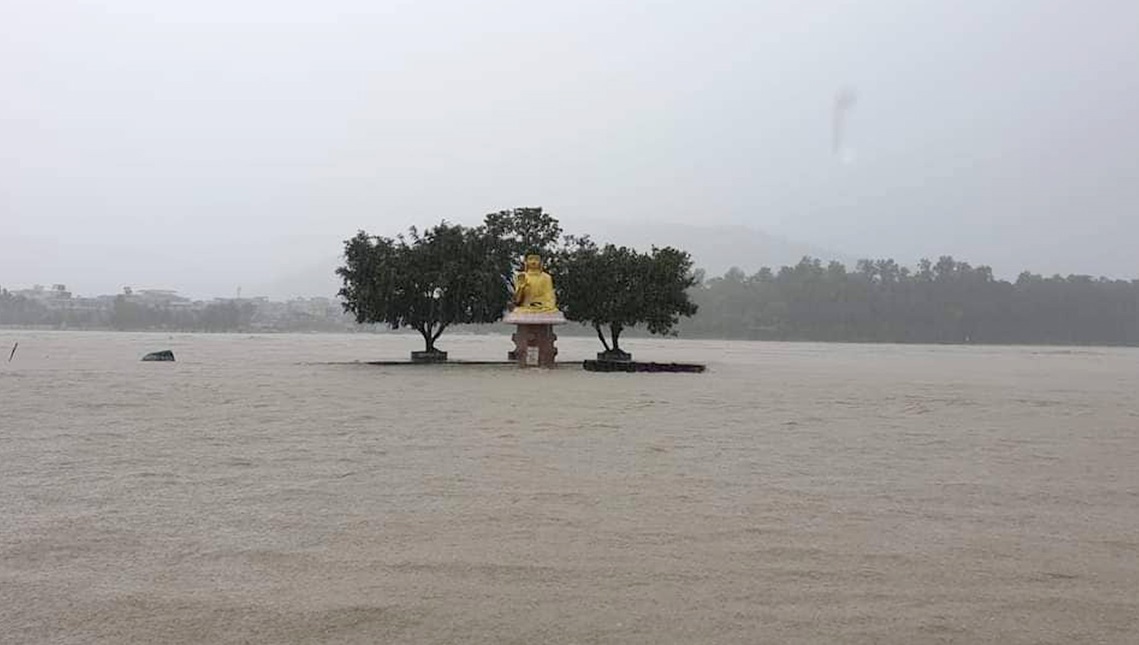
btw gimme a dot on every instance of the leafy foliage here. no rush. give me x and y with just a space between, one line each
523 230
511 234
428 282
617 288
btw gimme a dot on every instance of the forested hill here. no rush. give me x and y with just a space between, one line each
943 302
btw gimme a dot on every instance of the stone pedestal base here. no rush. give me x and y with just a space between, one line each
534 337
429 357
615 355
534 346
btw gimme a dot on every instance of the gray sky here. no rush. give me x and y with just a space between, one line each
210 144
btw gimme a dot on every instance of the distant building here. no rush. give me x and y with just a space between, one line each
156 297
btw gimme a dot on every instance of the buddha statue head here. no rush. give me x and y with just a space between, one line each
533 263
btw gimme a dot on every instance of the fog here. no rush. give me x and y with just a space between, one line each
210 145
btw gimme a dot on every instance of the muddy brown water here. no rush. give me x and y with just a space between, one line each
265 489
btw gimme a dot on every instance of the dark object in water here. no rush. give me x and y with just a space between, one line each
164 355
13 352
633 366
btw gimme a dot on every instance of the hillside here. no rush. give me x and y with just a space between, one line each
715 249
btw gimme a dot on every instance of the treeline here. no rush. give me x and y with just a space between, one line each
947 301
222 316
123 314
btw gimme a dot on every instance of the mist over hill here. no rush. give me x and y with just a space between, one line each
715 249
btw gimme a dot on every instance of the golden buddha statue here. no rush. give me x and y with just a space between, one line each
535 313
534 289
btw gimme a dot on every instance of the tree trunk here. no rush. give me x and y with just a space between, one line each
437 334
428 338
613 351
601 336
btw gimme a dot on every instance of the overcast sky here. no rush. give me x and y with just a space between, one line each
211 144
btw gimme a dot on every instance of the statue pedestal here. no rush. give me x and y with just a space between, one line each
534 338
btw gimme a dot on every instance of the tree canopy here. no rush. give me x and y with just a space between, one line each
428 282
616 288
517 232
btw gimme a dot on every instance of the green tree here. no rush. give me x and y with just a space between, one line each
511 234
615 288
523 230
428 282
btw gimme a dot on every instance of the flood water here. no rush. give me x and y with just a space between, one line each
266 489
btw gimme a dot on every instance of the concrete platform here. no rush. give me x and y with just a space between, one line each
634 366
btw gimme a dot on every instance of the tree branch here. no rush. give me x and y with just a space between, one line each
438 333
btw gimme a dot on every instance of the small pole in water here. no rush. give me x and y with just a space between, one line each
13 352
